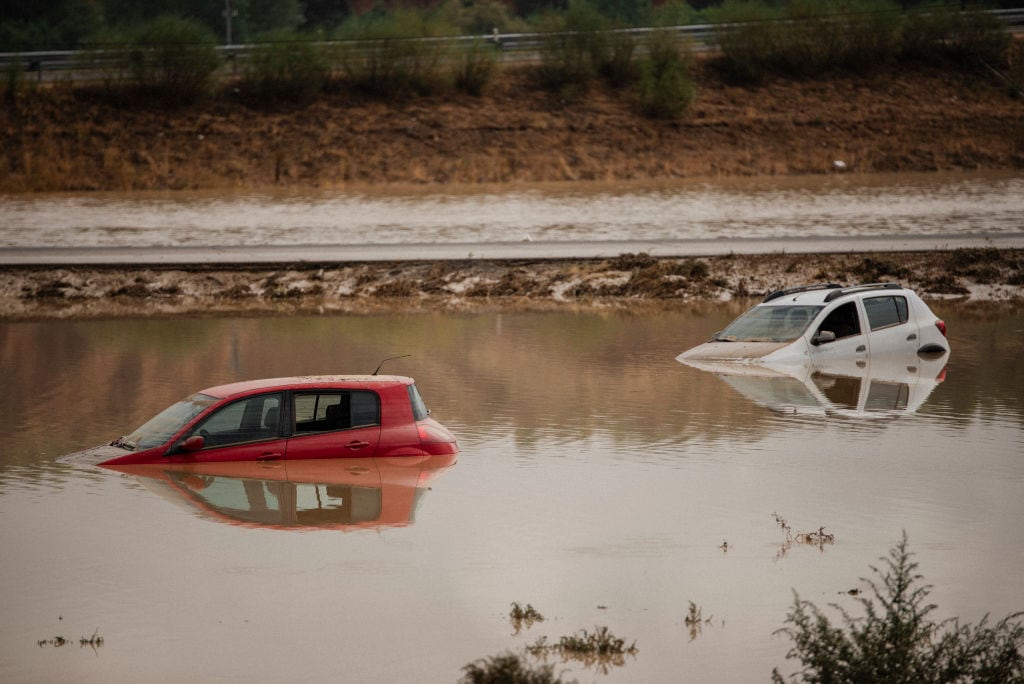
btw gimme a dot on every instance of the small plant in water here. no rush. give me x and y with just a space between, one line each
817 538
896 642
524 617
695 620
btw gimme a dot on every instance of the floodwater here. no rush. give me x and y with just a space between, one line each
599 482
890 206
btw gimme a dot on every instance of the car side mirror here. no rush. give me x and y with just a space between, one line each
823 337
193 443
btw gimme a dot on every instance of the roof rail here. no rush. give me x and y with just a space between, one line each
804 288
831 296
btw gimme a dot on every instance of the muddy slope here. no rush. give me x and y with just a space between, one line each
909 120
629 280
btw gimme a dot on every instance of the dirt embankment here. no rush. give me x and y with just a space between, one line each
909 120
629 280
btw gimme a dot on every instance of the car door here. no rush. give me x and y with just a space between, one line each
248 429
334 424
892 330
845 322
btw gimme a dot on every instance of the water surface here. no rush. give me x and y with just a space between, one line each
889 206
598 480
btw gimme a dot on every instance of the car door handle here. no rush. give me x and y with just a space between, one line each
268 456
911 336
356 444
862 348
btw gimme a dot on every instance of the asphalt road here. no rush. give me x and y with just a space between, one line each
319 254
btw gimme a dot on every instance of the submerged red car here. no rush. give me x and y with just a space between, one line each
332 416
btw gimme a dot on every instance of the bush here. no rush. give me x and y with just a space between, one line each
383 57
574 50
508 668
895 642
167 60
475 65
945 35
806 37
666 87
285 65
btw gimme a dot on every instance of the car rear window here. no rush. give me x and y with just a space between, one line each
885 311
335 410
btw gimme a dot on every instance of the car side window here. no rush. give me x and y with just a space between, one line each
246 420
885 311
335 410
843 321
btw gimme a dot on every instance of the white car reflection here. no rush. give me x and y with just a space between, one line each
880 386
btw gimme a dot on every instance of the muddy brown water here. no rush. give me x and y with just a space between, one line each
598 480
875 206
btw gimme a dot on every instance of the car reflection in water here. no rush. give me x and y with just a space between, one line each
880 386
337 494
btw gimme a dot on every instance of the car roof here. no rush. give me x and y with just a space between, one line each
823 293
305 382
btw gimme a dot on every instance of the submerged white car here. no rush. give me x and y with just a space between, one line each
825 323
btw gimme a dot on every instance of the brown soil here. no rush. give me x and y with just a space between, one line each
913 120
627 281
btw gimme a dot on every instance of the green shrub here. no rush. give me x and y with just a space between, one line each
746 38
173 59
806 37
383 55
475 65
14 79
285 65
945 35
666 87
896 642
168 60
574 49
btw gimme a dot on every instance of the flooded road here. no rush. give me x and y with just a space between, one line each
598 480
879 206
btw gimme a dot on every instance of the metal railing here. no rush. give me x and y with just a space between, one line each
75 64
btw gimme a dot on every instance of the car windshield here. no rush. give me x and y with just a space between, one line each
162 426
782 323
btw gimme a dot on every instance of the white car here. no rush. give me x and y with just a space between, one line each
827 323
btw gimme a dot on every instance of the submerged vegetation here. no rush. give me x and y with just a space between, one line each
896 641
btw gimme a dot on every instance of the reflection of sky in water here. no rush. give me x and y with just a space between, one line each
813 207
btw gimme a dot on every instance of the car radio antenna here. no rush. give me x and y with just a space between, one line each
391 358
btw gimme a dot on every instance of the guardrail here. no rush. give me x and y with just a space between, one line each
49 65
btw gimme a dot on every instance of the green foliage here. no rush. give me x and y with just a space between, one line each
285 66
575 48
943 34
896 642
806 37
480 18
14 79
475 66
508 668
27 26
167 60
666 87
382 57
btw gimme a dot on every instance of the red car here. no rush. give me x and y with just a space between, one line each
331 416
